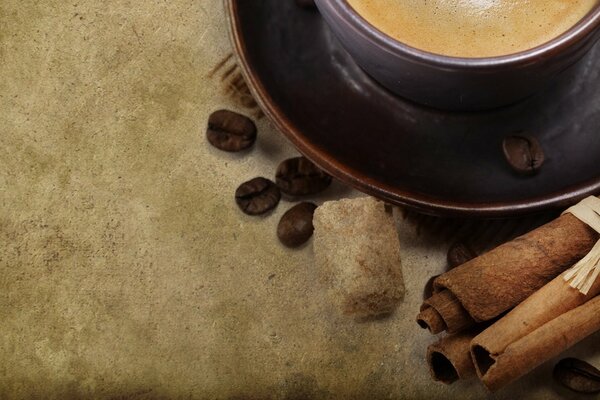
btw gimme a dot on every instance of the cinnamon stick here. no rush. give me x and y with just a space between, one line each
443 312
497 281
542 344
550 302
449 359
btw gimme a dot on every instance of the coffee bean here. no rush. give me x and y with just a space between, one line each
257 196
308 4
296 225
428 291
460 253
298 177
524 154
230 131
577 375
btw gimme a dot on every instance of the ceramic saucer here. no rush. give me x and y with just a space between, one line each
437 162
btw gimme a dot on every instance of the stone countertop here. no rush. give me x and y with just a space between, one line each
127 271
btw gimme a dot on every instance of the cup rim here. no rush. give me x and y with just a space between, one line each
571 37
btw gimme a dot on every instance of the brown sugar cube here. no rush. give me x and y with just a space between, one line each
358 253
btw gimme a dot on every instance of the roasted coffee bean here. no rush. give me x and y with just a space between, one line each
257 196
298 177
428 291
296 225
460 253
308 4
524 154
230 131
577 375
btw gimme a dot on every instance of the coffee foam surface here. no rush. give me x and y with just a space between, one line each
473 28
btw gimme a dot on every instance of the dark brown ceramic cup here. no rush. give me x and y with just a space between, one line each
454 83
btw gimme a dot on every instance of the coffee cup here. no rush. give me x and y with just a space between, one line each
475 80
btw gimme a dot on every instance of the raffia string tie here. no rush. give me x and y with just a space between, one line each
583 274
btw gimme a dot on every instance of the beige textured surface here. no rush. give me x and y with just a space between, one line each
126 271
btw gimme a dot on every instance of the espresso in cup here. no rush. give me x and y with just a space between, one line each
473 28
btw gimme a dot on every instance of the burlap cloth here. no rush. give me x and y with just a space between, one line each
126 270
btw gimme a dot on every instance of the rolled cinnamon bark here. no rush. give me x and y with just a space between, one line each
548 303
449 359
542 344
497 281
443 312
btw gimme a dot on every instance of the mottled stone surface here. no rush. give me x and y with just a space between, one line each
126 269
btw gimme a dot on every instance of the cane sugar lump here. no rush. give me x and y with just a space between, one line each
358 254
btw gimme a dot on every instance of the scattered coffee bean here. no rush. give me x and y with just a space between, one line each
577 375
428 291
298 176
257 196
460 253
296 225
308 4
523 153
230 131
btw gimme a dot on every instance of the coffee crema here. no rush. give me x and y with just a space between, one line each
473 28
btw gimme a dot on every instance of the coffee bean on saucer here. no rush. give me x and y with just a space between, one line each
298 176
308 4
460 253
296 225
523 153
230 131
257 196
577 375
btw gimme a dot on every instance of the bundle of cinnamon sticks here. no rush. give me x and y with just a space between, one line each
511 309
